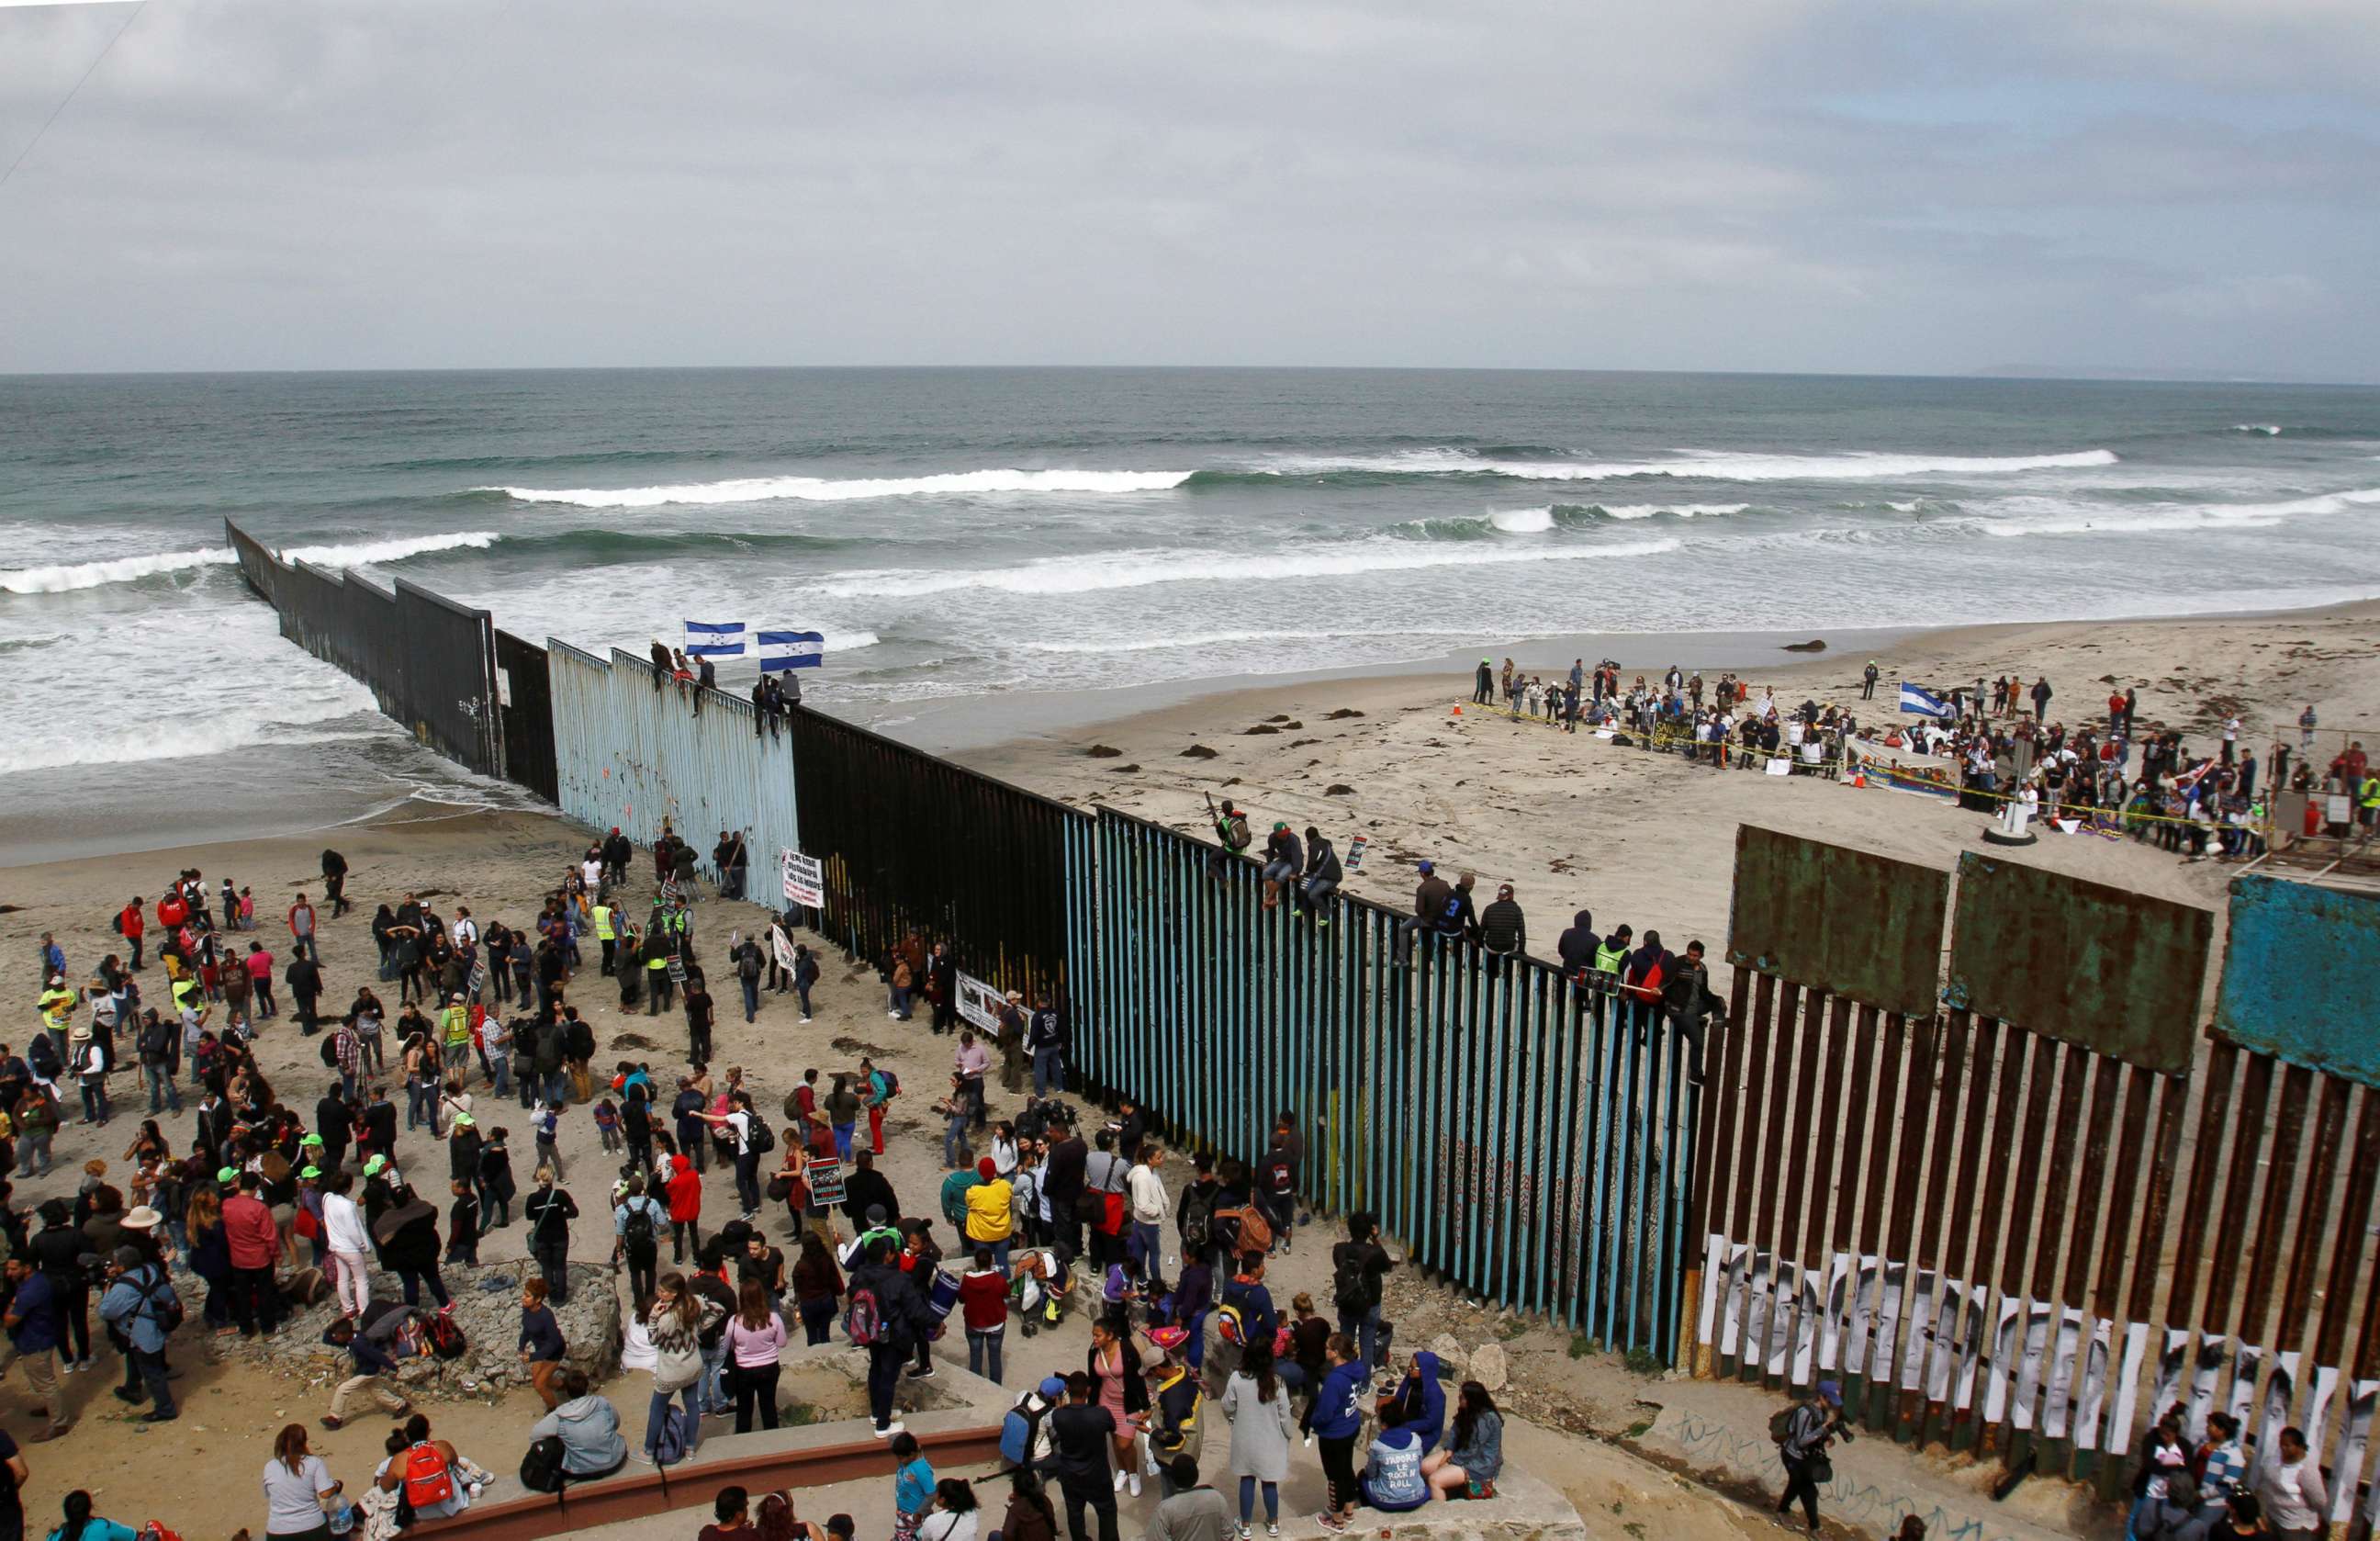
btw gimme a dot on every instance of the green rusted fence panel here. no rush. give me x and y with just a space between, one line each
2300 974
1856 925
2116 972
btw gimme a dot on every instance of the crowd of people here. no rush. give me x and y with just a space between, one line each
1997 742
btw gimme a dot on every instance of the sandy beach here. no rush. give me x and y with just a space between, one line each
1575 823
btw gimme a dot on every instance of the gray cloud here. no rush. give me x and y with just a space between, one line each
1795 184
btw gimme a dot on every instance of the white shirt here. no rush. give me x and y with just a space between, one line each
466 931
343 1229
1147 1192
741 1122
943 1526
292 1501
592 871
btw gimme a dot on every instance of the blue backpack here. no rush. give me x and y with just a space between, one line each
675 1439
1021 1429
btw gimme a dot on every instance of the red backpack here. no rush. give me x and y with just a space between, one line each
428 1479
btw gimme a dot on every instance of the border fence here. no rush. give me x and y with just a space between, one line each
2000 1211
1966 1149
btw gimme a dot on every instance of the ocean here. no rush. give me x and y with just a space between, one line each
973 534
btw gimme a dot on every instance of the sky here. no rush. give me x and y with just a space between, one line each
1928 187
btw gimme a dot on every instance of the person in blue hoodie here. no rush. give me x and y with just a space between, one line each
1419 1401
1335 1419
1392 1480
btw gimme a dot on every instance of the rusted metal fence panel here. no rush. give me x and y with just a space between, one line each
2117 971
525 702
912 844
2301 975
1848 922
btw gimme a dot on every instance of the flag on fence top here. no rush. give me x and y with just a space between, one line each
791 649
714 639
1921 702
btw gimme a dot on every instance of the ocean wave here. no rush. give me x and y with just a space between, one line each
1676 510
1552 517
187 738
2268 429
811 489
68 578
2200 516
629 544
1701 464
1136 569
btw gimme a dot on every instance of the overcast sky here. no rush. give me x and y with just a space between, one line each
1926 185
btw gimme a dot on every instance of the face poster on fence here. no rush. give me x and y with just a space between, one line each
980 1003
804 884
826 1182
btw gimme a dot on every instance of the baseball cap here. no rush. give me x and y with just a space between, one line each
311 1139
1831 1392
310 1172
226 1176
1426 867
374 1167
1054 1387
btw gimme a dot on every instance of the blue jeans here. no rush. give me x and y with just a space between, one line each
751 998
1049 1071
955 1129
660 1409
842 1141
500 1068
161 1084
94 1101
420 1106
900 1002
1248 1485
1365 1329
982 1346
1146 1248
714 1379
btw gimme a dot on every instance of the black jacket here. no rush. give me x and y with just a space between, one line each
897 1305
866 1186
1503 930
1577 945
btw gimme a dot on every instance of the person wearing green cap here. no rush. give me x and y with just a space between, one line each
1483 684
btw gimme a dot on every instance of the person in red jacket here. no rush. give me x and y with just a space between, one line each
133 927
255 1242
684 1189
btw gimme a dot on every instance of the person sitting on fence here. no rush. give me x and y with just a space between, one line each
662 666
1283 862
1431 897
1323 874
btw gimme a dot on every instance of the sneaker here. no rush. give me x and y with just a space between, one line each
1133 1483
641 1457
1331 1521
921 1372
69 1367
1119 1482
1271 1529
1241 1531
890 1429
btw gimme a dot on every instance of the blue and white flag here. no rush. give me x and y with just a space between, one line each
791 649
1920 702
714 639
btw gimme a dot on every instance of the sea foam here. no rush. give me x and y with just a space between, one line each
811 489
126 569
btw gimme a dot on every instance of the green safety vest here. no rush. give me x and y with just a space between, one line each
2372 792
603 917
1607 959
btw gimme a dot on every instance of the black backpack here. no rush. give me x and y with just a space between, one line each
638 1228
331 1049
762 1140
541 1469
1349 1290
1198 1214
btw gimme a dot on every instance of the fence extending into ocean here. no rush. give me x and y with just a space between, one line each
1973 1143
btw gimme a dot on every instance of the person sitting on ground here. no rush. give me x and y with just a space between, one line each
1475 1452
587 1426
1392 1480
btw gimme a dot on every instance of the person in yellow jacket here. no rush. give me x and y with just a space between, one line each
990 1213
2369 796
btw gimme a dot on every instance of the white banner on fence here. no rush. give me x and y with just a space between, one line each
804 884
980 1003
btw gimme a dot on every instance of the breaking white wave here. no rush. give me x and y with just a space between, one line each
2125 521
2269 430
1522 521
1682 510
70 576
188 737
811 489
1708 464
1136 569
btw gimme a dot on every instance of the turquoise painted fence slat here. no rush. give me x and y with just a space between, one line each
1508 1128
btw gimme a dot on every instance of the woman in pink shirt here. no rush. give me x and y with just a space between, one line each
756 1335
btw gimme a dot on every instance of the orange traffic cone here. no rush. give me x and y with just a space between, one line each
1458 711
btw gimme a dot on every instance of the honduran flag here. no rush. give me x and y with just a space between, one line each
714 639
791 649
1921 702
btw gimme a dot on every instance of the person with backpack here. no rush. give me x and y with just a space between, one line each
675 1321
549 1212
1802 1432
1276 1187
753 1140
1045 1043
883 1315
637 1223
1232 833
431 1477
141 1304
299 1491
1245 1315
1357 1264
1322 877
585 1430
1026 1441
